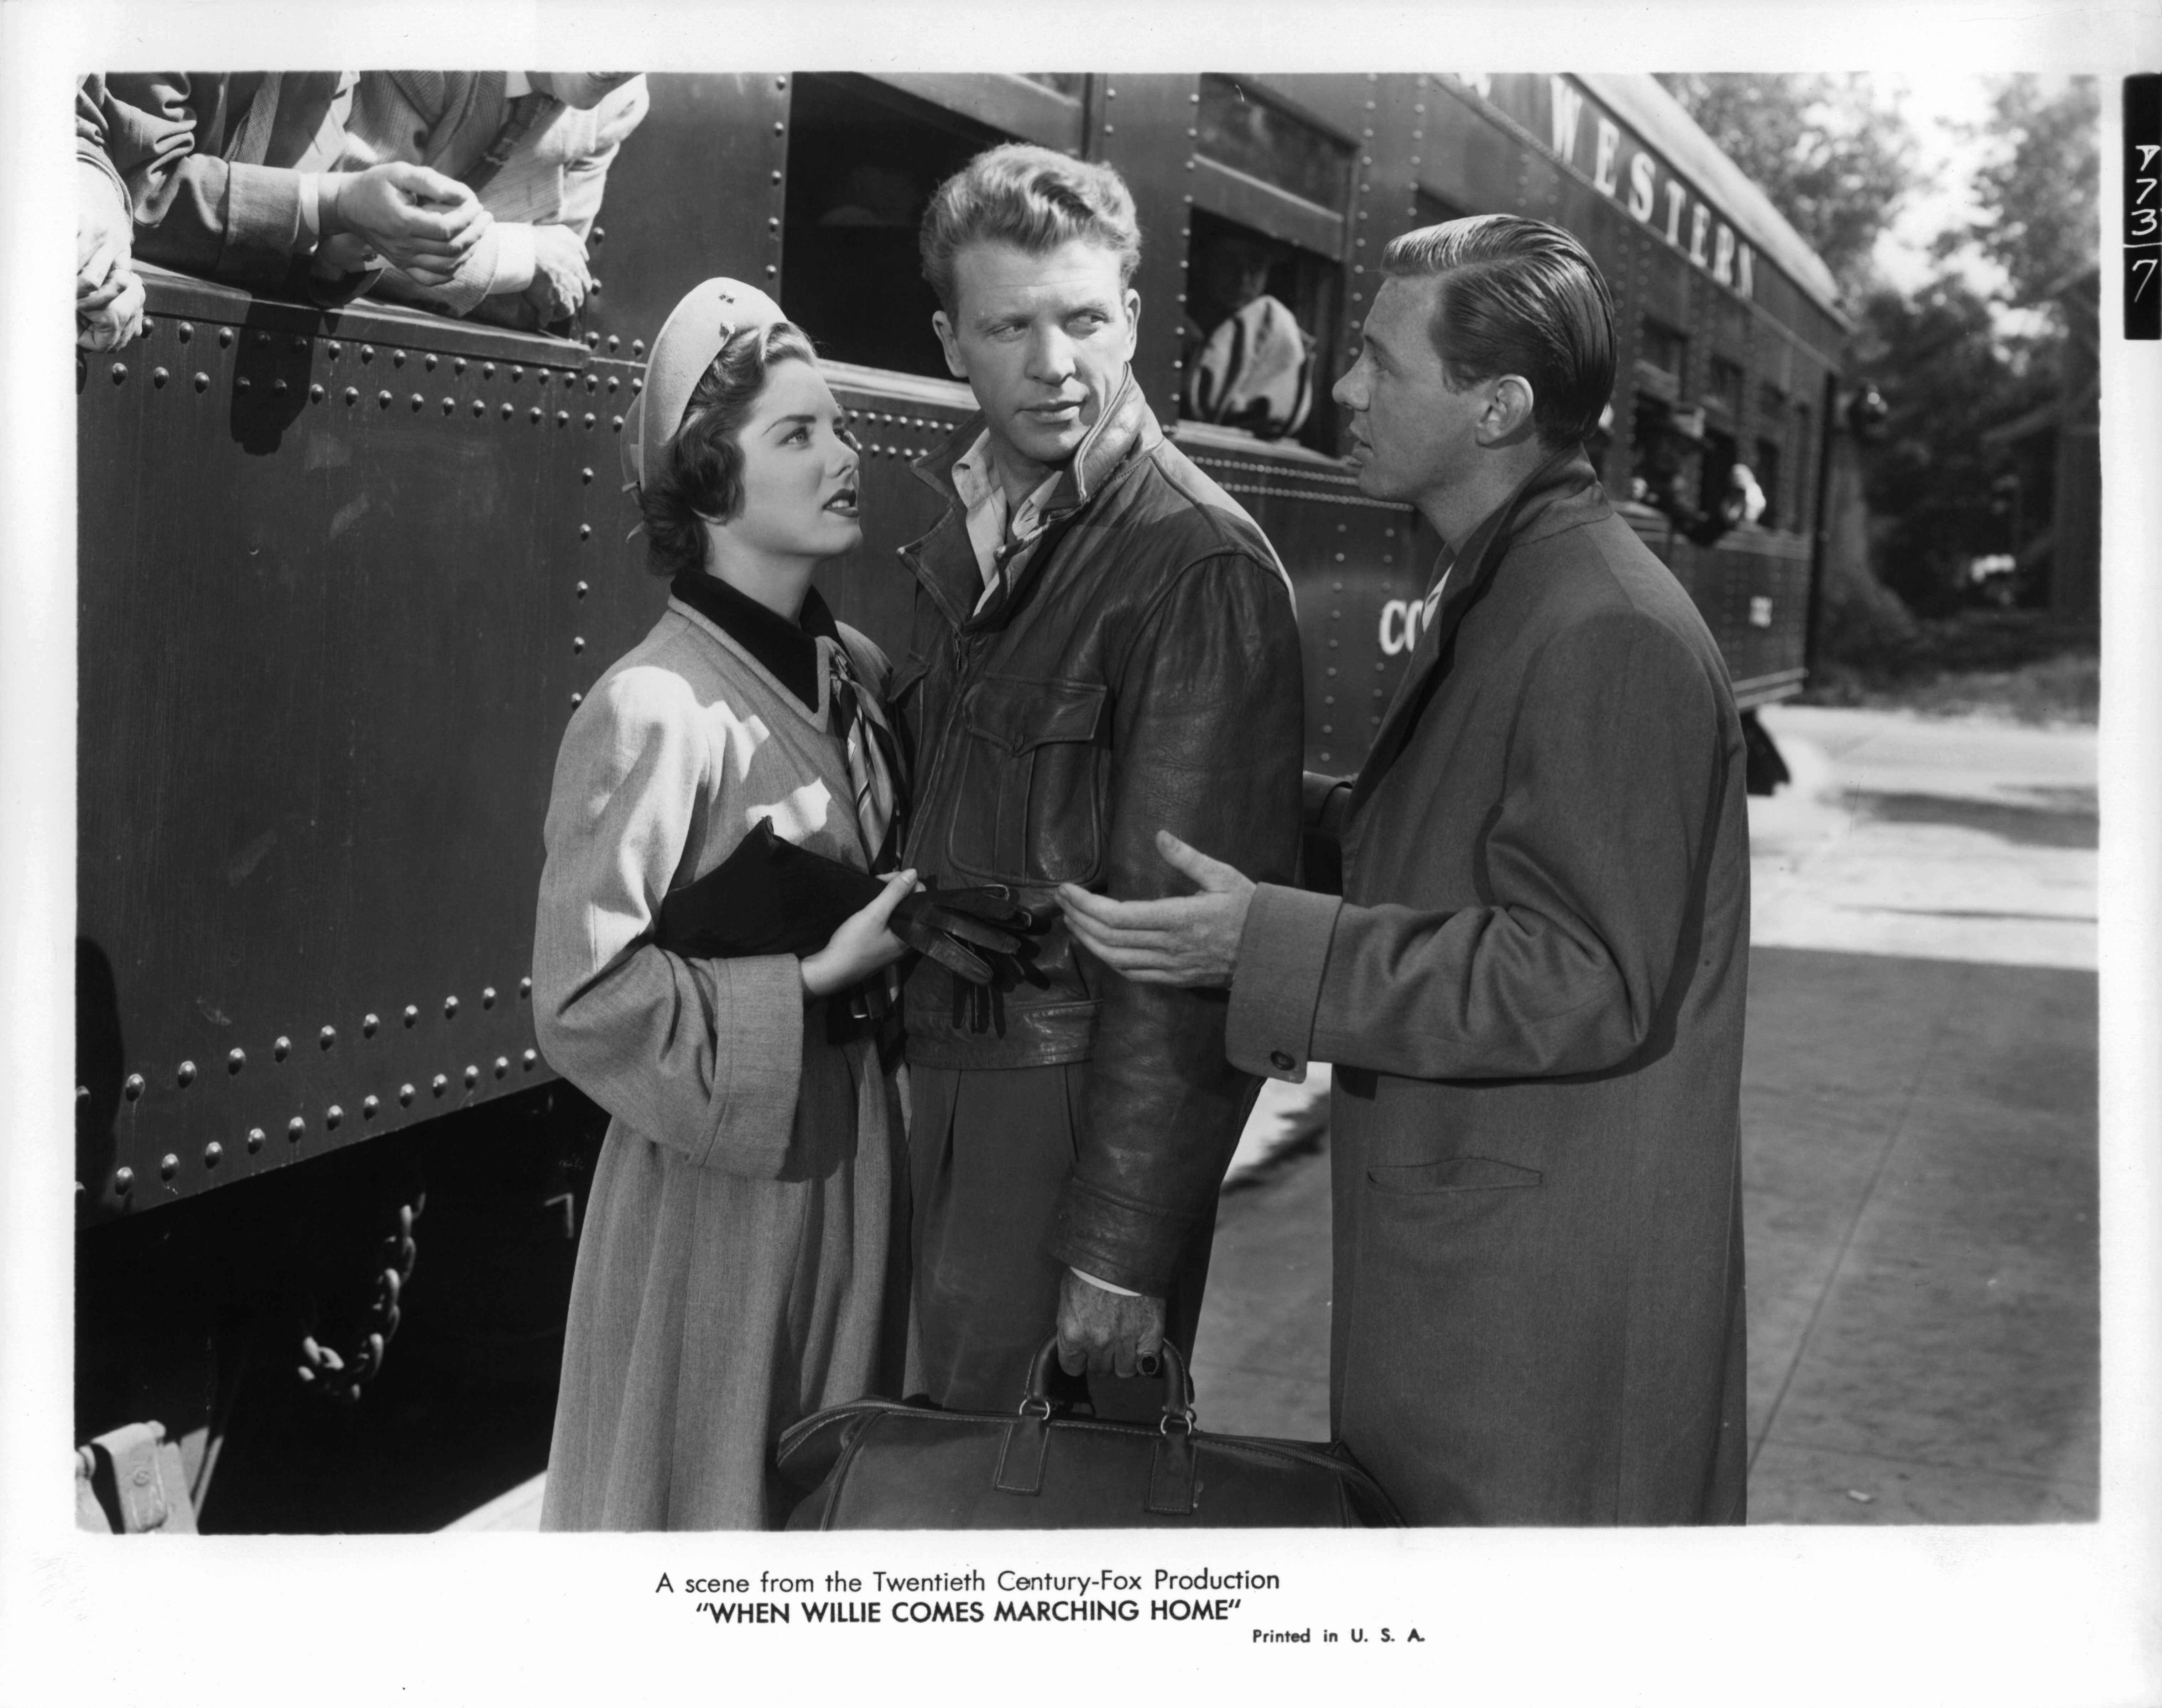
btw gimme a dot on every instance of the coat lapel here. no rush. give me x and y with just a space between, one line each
819 715
944 560
1473 573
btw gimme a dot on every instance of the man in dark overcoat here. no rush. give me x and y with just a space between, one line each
1532 987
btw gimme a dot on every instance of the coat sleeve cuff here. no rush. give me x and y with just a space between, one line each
1275 987
758 1064
1109 1239
89 154
263 225
514 259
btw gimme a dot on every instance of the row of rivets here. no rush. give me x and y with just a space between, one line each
317 393
235 1059
918 423
296 1129
571 376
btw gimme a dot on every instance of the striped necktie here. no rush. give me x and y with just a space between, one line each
868 743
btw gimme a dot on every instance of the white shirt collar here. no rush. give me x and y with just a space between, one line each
1433 595
985 498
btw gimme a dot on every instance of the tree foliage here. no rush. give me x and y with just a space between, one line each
1834 155
2037 194
1946 378
1839 160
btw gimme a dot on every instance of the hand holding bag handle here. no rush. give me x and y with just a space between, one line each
1028 1437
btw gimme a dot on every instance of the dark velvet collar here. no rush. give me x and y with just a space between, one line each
790 651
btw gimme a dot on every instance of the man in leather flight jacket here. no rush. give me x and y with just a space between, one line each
1103 643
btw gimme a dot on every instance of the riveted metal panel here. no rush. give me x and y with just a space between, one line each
1471 160
1578 208
339 579
694 192
1538 184
1144 126
1387 115
1408 107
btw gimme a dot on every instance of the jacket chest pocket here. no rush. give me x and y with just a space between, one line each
1029 804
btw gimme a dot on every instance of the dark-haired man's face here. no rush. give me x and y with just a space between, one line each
1043 341
1411 435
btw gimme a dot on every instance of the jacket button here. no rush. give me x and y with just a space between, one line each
1279 1060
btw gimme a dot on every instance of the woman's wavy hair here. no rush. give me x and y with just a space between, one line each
1517 296
701 473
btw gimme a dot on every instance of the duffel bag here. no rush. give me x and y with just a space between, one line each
879 1464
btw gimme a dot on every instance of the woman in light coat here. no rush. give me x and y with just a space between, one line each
736 1268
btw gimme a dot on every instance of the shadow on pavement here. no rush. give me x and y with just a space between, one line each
2054 823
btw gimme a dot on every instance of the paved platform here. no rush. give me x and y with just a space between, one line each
1947 838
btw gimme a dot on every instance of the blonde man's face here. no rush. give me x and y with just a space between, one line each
1044 341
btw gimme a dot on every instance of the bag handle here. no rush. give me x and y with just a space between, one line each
1177 1386
1171 1474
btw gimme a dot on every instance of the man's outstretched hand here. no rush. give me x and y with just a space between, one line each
1190 940
1105 1333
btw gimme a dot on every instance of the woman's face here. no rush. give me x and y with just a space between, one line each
799 475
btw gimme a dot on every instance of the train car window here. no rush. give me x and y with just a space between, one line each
863 161
1663 446
1663 356
1723 386
1765 465
1241 130
1730 322
1716 469
1770 462
1799 464
1254 349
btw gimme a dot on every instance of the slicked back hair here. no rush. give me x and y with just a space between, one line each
1033 198
701 473
1517 296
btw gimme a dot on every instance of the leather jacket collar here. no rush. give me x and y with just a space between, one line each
1125 431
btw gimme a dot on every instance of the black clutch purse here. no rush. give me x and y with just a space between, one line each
769 898
879 1464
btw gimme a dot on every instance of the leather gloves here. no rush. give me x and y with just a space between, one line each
770 897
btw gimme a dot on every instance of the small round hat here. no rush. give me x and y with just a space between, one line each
696 328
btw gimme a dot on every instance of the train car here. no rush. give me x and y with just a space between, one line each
343 575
